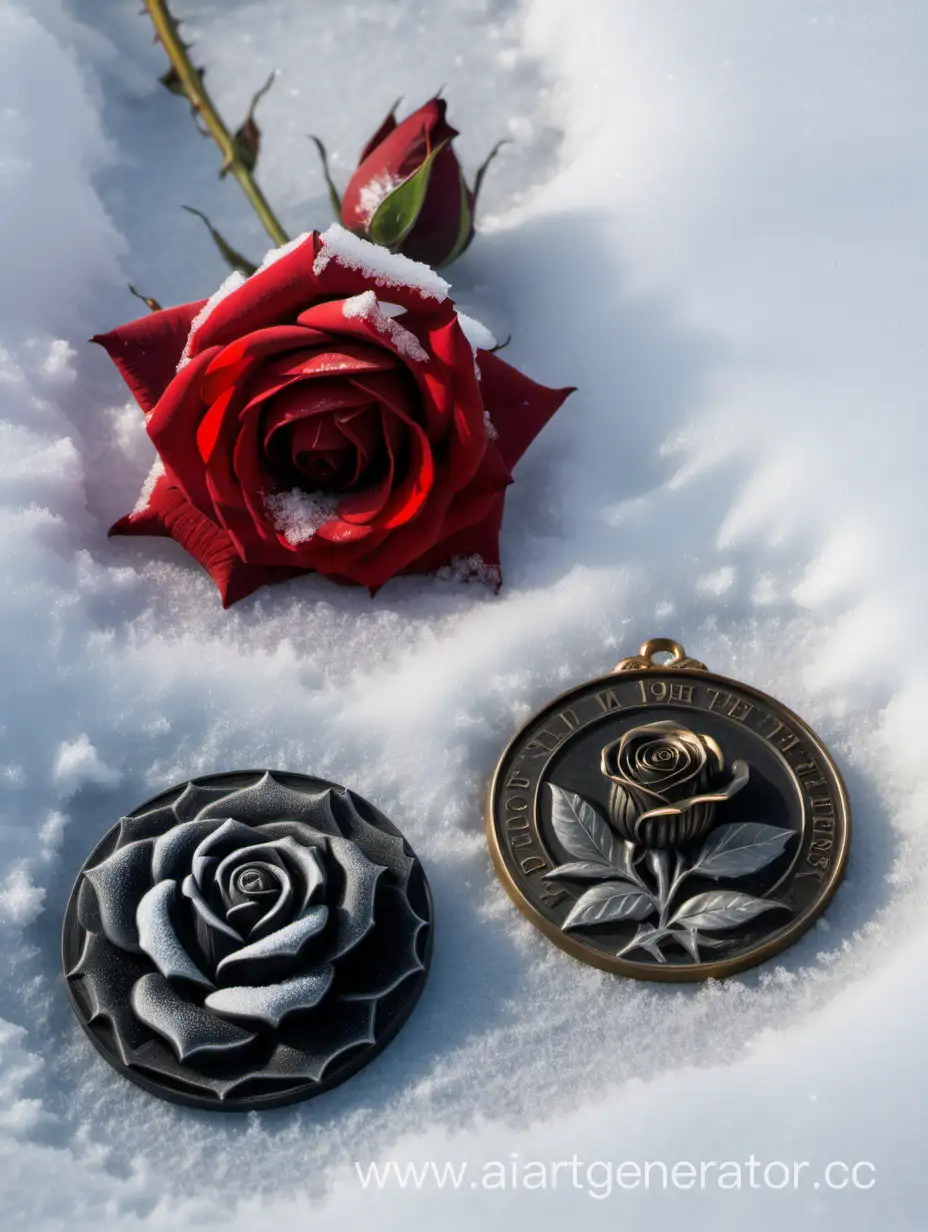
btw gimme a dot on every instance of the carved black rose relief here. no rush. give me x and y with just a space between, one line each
668 788
246 940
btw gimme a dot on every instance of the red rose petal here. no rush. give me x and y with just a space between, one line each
363 429
147 351
330 318
459 512
364 506
301 399
338 357
396 391
414 488
518 407
278 294
172 516
239 358
386 127
320 434
210 427
173 426
388 553
303 352
340 531
481 539
272 296
251 477
148 521
468 434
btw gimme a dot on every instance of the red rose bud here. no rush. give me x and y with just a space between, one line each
409 193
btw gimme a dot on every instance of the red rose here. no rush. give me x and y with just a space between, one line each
325 415
409 193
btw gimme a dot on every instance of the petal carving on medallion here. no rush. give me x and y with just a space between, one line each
105 976
194 799
345 1026
388 955
286 942
191 890
174 852
149 824
272 1002
119 882
191 1030
158 937
307 863
355 911
269 800
218 843
379 845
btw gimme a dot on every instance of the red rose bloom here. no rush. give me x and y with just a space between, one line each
325 415
433 220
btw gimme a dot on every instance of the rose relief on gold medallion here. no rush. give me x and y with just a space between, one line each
667 823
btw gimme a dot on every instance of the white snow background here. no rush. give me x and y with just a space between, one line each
712 220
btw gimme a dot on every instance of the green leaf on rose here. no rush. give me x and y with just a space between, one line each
233 258
247 140
482 169
396 215
334 199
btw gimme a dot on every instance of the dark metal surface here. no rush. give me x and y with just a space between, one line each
247 940
666 823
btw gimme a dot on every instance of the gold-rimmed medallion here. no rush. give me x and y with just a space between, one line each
667 823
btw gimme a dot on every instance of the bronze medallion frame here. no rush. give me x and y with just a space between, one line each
823 820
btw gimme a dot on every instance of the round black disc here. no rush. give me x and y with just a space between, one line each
246 940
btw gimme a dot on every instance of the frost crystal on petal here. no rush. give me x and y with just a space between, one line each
298 514
490 426
148 487
275 254
387 269
367 307
374 192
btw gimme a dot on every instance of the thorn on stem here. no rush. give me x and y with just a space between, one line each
149 300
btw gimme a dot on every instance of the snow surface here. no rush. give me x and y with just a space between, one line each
711 220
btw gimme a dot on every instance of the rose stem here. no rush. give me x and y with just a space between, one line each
192 85
661 870
680 873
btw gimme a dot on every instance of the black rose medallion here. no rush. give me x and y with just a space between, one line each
247 940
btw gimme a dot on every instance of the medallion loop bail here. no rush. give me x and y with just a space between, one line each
644 660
